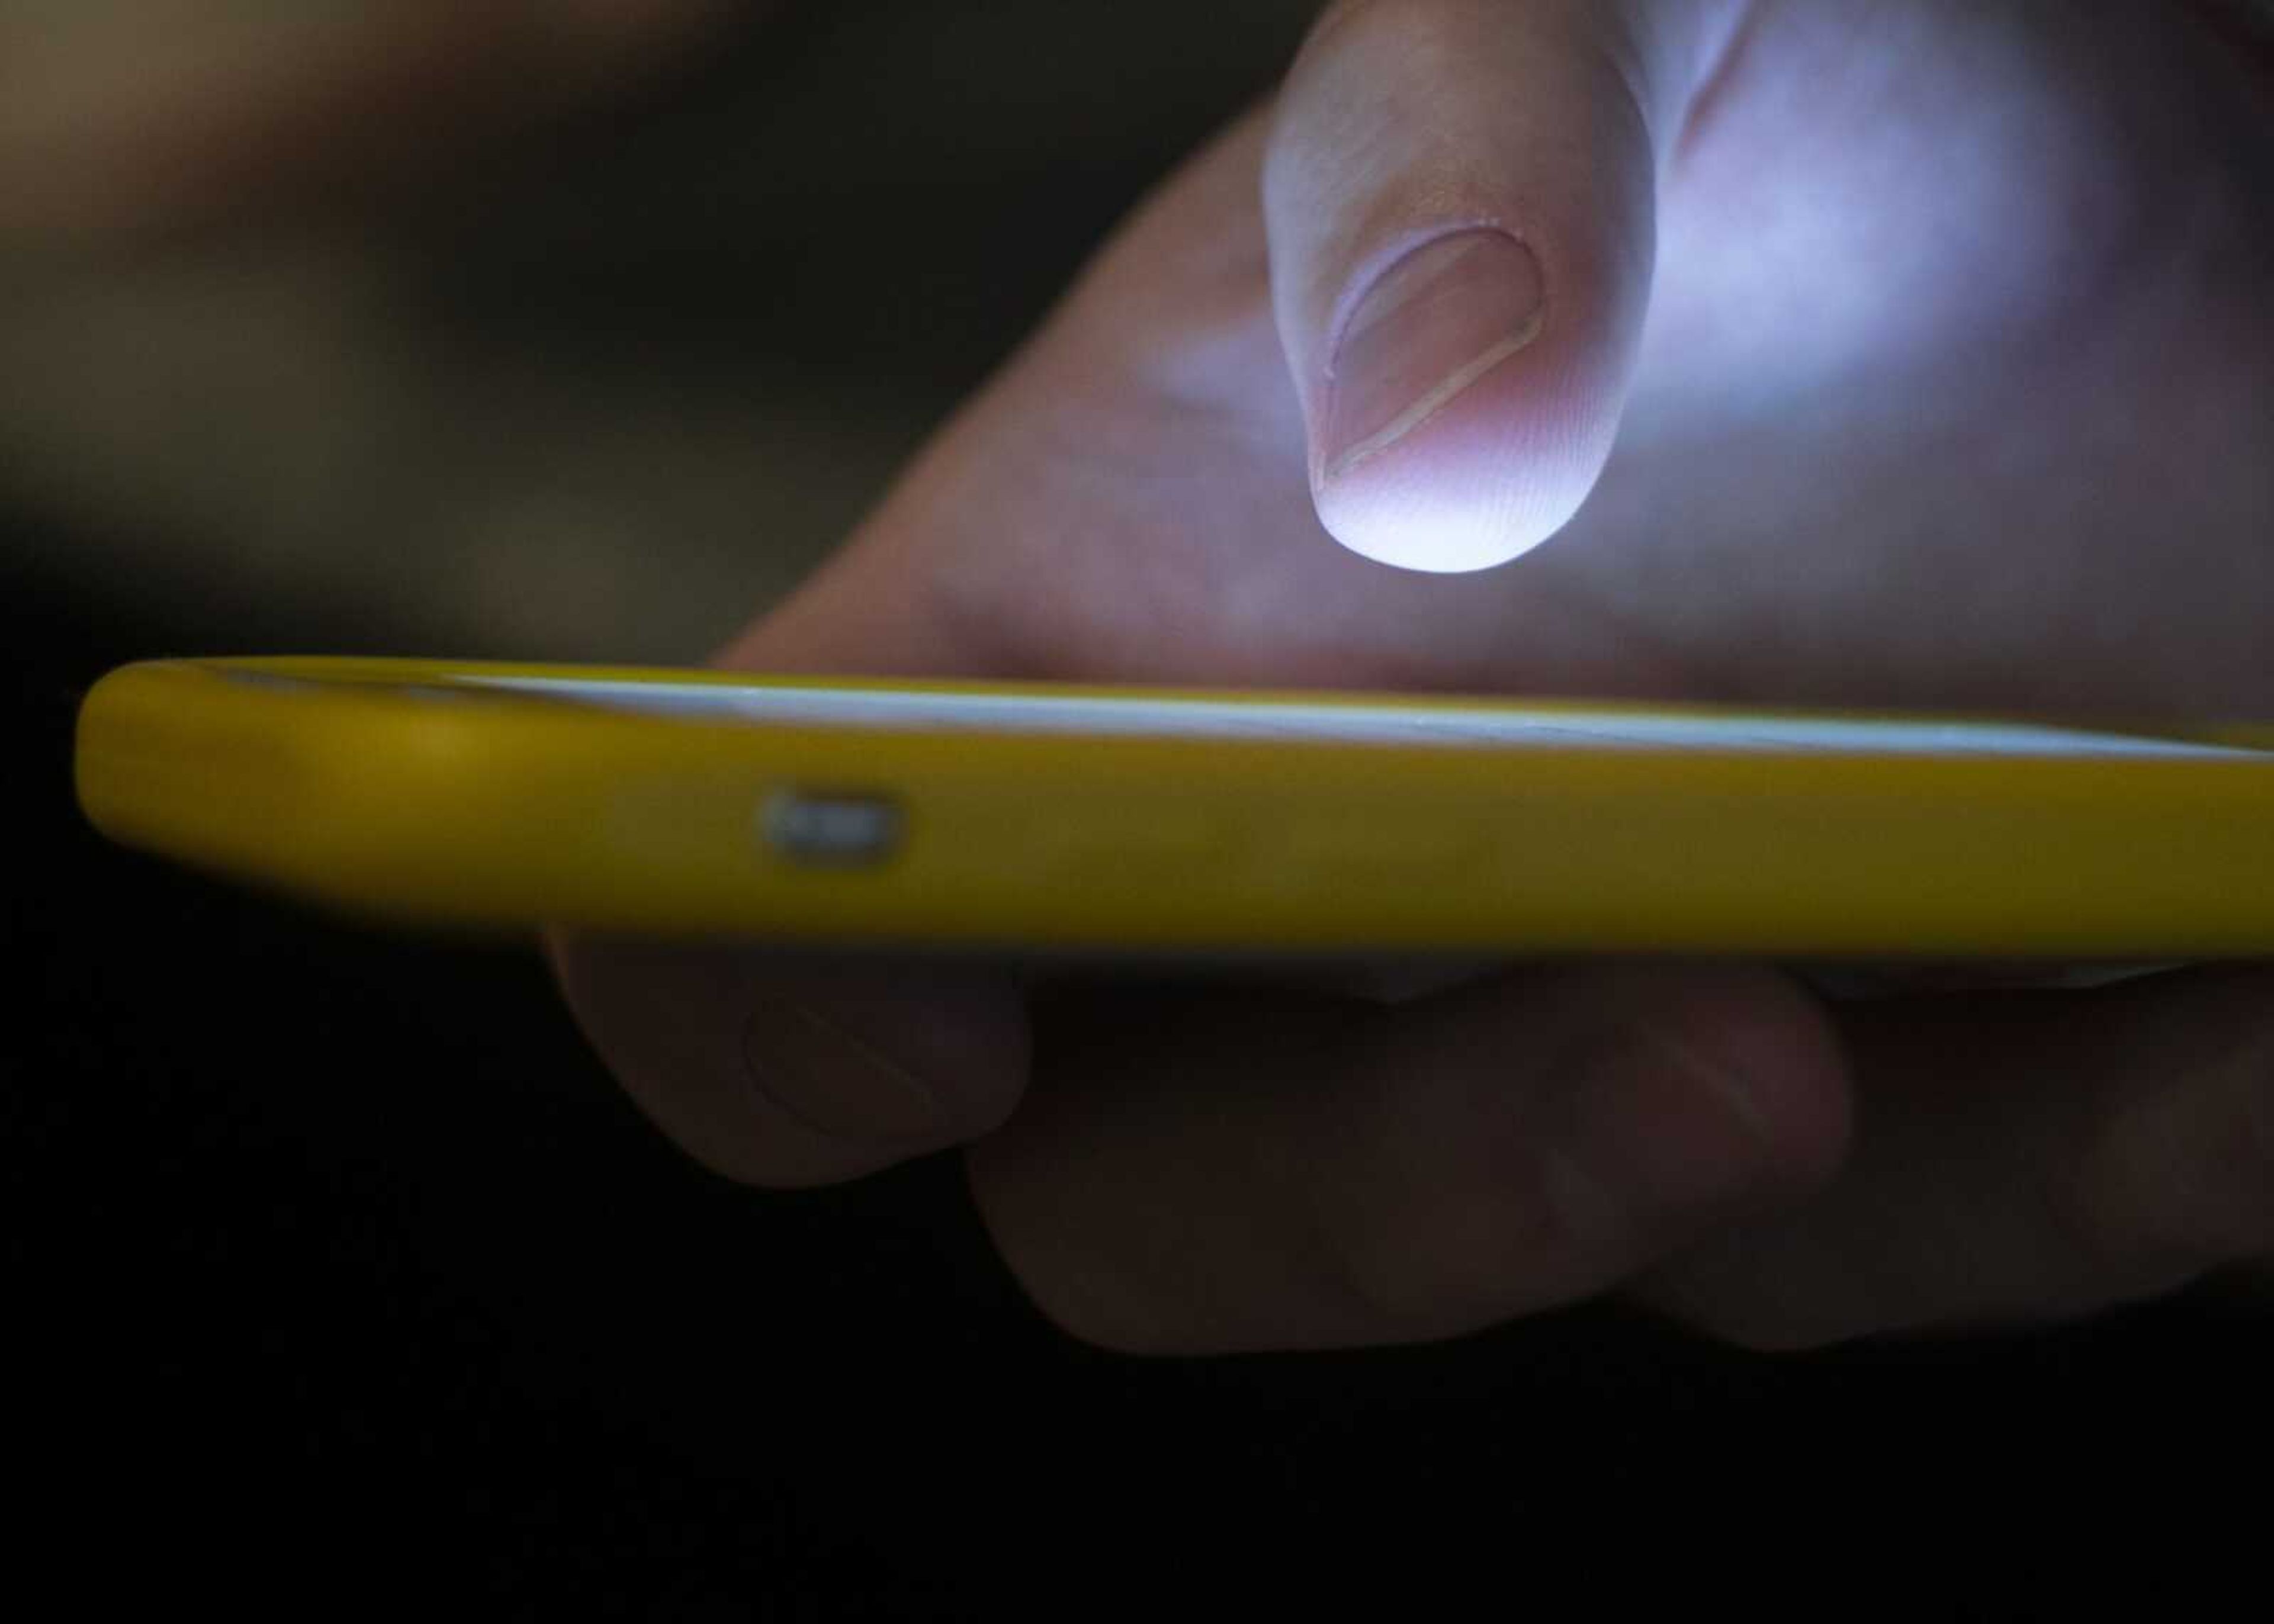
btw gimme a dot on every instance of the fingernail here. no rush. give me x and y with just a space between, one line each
1655 1127
834 1081
1435 323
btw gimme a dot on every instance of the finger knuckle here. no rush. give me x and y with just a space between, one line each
2179 1177
1461 1254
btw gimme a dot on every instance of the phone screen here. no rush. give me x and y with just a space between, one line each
1469 724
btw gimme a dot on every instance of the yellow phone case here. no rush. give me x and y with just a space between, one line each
426 791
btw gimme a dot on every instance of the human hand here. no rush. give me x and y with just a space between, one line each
1910 356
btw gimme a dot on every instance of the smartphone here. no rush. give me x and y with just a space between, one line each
1029 817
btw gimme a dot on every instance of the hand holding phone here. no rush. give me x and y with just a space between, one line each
1922 456
1950 410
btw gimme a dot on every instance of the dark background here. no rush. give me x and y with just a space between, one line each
338 1272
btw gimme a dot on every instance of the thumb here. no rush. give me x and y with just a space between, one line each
1460 196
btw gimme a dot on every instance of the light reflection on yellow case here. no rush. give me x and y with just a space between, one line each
698 803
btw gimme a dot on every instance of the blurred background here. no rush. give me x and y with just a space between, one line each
338 1272
595 380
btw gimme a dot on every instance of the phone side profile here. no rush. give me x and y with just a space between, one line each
699 804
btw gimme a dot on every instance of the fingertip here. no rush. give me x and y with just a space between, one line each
1293 1172
1552 1133
1482 474
788 1073
952 1036
1460 500
1763 1037
1461 203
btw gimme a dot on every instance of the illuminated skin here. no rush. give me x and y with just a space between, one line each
1903 353
1945 355
1910 355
